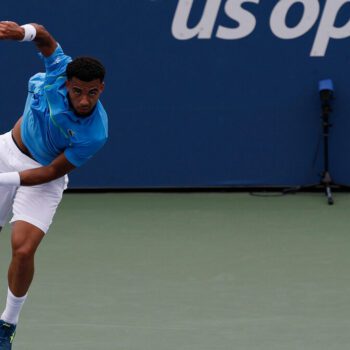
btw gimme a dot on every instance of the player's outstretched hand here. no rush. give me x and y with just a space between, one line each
11 31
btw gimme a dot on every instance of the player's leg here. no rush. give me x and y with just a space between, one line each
33 211
25 241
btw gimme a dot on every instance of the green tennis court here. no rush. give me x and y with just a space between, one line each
190 271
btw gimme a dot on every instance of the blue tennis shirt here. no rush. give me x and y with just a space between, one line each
50 126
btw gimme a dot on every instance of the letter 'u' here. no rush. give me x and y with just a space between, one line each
204 29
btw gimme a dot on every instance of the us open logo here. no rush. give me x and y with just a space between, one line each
247 21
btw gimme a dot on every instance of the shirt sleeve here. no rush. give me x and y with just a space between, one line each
78 154
55 64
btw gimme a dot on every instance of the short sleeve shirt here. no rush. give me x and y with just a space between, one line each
50 126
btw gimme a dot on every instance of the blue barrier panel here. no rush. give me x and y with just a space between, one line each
201 93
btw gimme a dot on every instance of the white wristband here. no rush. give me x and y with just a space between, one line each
29 32
10 179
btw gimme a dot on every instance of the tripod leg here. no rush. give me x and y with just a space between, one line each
329 195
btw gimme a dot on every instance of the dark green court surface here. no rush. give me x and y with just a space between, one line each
204 271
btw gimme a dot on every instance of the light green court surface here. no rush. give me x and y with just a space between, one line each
203 271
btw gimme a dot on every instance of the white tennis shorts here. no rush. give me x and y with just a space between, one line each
34 204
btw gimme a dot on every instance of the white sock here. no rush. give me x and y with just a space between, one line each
13 308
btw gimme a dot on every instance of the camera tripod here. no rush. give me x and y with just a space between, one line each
326 95
326 180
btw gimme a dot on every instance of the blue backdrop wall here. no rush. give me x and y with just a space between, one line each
200 92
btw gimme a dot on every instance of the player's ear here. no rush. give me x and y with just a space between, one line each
68 84
102 86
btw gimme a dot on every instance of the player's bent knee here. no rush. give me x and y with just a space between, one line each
25 237
24 253
24 244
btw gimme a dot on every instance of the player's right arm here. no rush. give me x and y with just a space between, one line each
37 176
44 41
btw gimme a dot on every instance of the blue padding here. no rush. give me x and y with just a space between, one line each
197 106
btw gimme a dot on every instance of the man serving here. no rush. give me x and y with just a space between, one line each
63 125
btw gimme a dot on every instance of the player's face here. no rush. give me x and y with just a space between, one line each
84 95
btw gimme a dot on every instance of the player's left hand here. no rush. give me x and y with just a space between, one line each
11 31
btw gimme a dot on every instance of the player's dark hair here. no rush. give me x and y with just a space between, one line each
85 69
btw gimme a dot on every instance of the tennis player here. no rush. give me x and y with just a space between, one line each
63 125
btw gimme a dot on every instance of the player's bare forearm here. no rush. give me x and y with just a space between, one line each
58 168
43 39
38 176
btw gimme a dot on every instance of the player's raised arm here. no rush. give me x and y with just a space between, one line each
29 32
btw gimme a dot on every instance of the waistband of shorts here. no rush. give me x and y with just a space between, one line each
13 148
